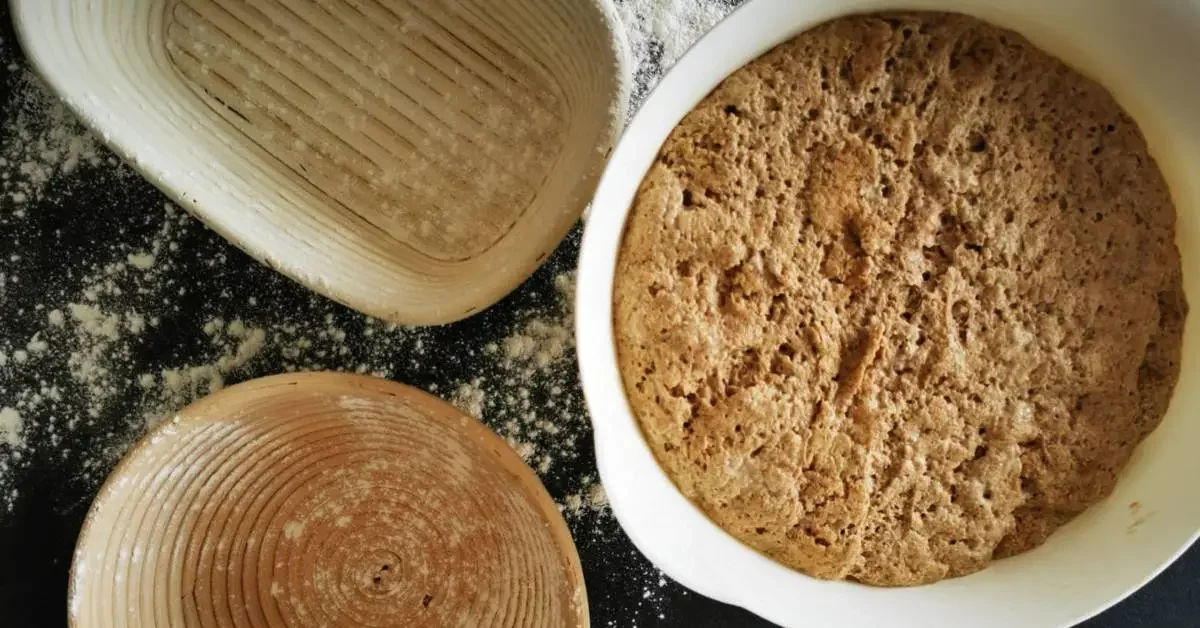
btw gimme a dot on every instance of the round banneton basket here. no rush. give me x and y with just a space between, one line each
324 500
413 159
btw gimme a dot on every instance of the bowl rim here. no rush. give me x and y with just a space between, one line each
726 570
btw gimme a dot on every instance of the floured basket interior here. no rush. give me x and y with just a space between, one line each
414 159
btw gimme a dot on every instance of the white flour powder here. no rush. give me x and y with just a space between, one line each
10 427
95 332
84 368
40 142
660 31
521 392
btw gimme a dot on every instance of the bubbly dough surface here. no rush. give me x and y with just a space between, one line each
900 297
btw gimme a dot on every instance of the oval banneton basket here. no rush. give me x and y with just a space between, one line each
413 159
324 499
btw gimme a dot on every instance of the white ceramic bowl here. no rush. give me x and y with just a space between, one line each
1146 53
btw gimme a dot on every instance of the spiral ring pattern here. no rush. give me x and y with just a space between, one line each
324 500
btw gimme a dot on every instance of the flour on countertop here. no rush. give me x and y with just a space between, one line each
100 330
94 360
652 589
521 392
591 501
10 427
236 345
41 140
660 31
470 398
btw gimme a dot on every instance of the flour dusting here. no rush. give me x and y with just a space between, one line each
660 31
41 142
524 392
10 427
121 309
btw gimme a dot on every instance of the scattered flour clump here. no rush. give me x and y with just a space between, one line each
660 31
591 501
11 426
470 398
39 141
238 344
141 261
540 342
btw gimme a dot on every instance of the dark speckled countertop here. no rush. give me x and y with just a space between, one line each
96 212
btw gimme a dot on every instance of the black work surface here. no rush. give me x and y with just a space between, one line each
100 211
